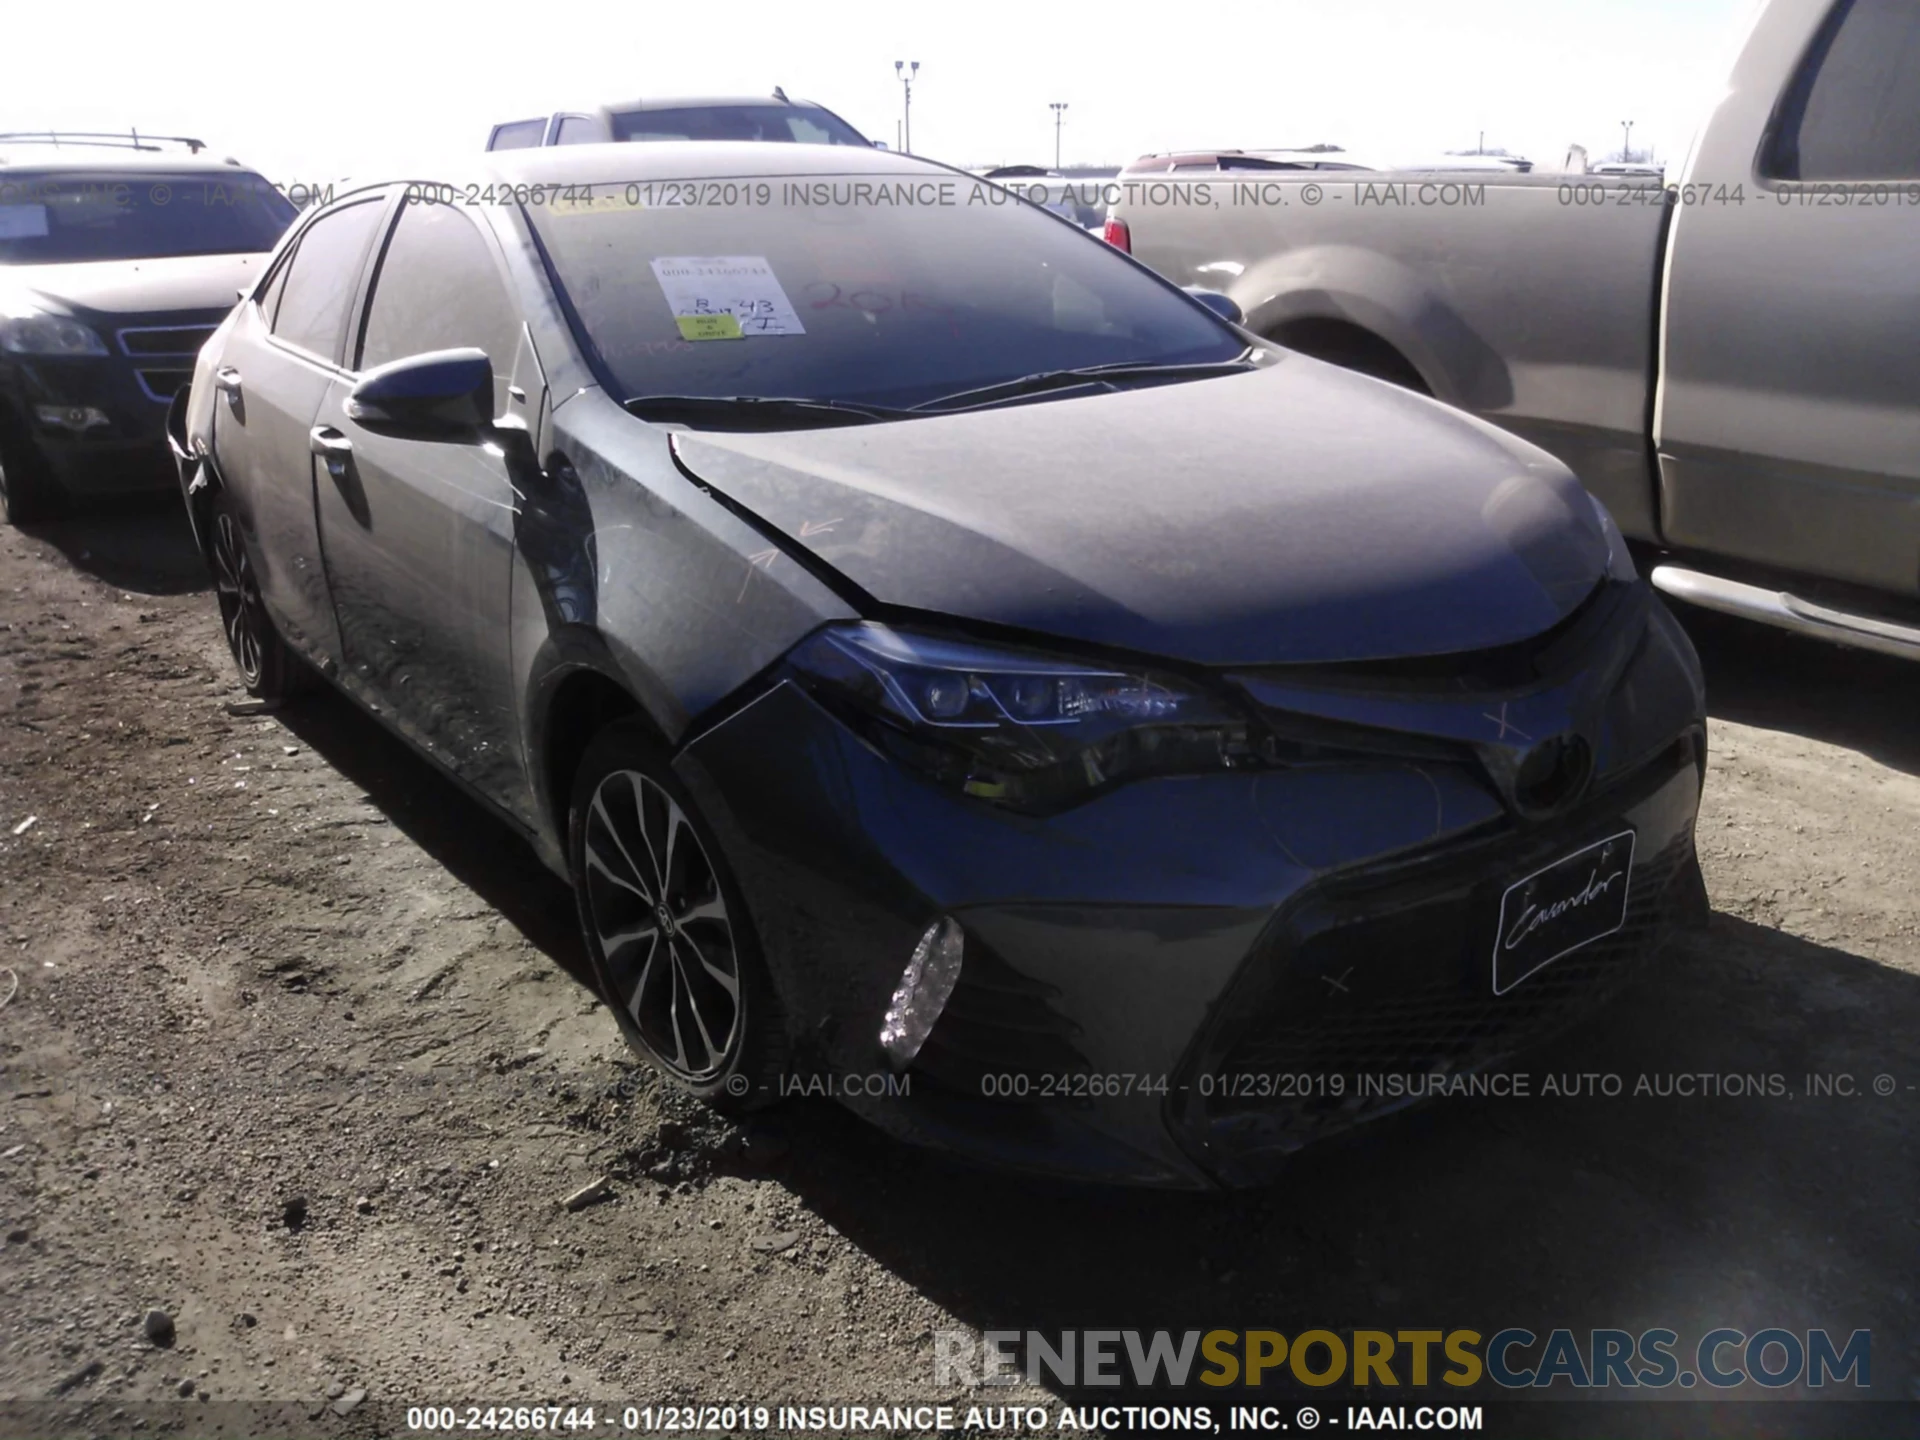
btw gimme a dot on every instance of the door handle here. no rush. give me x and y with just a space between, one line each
328 442
227 381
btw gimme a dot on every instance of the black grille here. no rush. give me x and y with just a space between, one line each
1377 984
163 385
1451 1023
166 340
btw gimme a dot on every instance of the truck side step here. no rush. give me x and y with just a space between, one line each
1788 612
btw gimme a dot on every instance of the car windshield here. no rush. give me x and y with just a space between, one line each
805 125
891 290
53 217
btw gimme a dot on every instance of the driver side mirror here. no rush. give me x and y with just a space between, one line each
1221 305
444 395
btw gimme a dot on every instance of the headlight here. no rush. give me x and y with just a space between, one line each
1027 730
48 335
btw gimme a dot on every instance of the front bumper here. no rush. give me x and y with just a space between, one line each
1372 987
98 421
1126 960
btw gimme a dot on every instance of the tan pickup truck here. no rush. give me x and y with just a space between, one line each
1731 362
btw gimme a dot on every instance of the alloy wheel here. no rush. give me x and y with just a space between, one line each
239 596
660 917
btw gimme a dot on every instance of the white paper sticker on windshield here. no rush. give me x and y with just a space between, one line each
702 288
19 222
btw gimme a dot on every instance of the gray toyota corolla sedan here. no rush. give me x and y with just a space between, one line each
952 665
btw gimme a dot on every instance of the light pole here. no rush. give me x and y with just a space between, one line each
906 70
1059 117
1626 142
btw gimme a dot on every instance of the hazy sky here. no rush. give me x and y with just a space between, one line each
365 87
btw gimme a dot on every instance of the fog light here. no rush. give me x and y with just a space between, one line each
923 992
77 418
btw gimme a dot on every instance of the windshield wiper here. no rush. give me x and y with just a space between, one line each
758 409
1042 381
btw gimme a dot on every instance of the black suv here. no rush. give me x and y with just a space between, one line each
118 257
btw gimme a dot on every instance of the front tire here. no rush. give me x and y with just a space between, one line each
672 947
268 668
27 492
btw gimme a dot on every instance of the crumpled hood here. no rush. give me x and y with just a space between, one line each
1294 514
137 287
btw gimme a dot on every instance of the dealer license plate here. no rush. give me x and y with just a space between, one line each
1575 901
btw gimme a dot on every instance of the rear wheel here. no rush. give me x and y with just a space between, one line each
672 947
268 668
27 492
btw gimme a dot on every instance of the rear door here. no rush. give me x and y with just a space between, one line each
278 361
418 536
1788 423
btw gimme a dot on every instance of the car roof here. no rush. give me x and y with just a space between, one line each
39 155
698 159
1170 160
691 102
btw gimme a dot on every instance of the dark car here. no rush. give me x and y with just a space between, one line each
118 256
1081 197
951 664
757 117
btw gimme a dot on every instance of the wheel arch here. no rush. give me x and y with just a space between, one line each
13 425
1341 342
18 451
579 697
1345 292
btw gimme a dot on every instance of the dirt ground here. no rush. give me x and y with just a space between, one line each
300 1053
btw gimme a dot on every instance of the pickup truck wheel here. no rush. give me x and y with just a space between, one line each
27 492
672 947
268 668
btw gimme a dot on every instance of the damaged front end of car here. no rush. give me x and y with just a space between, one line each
1165 927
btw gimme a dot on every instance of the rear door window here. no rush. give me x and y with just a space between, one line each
320 279
1853 112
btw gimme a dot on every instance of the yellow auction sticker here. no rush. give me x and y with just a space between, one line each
708 327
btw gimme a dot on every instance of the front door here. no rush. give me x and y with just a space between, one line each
1788 424
418 535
